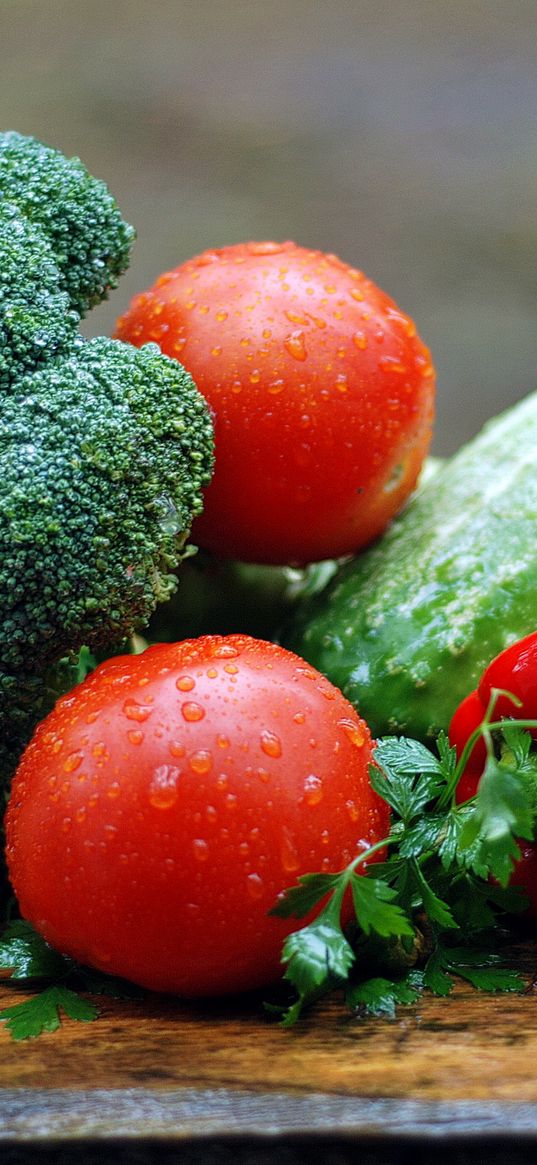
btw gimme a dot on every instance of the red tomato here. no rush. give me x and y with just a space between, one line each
166 802
321 390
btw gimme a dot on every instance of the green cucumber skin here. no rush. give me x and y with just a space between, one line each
406 628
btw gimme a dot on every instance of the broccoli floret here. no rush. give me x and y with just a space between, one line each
36 323
103 457
90 240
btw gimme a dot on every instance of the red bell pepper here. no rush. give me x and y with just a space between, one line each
513 671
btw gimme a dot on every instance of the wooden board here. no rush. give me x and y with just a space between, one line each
221 1078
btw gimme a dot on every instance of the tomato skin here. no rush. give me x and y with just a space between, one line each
165 803
322 395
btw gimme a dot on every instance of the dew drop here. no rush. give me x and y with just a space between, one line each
225 651
135 736
73 762
221 316
391 364
254 886
313 790
81 814
299 718
192 711
359 339
163 791
222 741
294 344
66 824
185 683
357 294
135 711
288 851
175 748
270 743
353 731
201 762
201 849
352 810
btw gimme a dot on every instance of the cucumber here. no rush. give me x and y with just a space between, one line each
406 628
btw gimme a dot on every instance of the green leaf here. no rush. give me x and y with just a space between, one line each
375 908
316 954
406 775
380 996
422 836
42 1013
502 812
435 976
492 978
297 901
28 956
436 909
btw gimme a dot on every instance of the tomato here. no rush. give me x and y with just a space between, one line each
168 799
321 390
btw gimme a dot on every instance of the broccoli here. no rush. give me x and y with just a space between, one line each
36 323
103 457
90 241
104 448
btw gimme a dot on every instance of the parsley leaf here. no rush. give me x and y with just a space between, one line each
27 955
502 811
42 1013
375 908
380 996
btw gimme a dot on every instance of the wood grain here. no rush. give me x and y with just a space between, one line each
457 1068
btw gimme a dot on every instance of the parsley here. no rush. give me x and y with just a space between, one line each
423 915
29 958
41 1013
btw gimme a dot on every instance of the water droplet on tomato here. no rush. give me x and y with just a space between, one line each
136 711
176 748
225 651
352 810
135 736
295 345
313 790
66 824
354 732
73 762
288 851
201 761
357 294
359 339
185 683
192 711
270 743
391 364
163 791
201 849
254 886
275 387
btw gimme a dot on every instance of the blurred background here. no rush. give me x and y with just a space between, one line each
402 135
